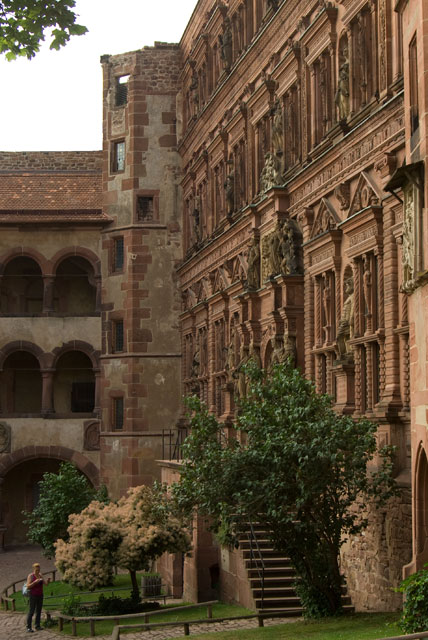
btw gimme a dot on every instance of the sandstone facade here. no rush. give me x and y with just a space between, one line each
263 195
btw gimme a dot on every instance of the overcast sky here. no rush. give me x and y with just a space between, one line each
54 101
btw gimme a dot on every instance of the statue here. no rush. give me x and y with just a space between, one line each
278 354
342 93
239 374
271 172
288 250
275 241
229 186
278 129
194 372
196 221
367 284
253 271
254 356
226 44
230 356
346 325
194 92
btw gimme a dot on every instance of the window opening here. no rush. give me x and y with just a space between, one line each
144 208
82 397
414 98
117 413
121 90
118 254
118 336
118 163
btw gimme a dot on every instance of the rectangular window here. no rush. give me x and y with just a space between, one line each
118 156
144 208
121 90
118 254
82 397
118 336
117 417
413 81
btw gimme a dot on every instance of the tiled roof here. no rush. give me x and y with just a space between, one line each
37 191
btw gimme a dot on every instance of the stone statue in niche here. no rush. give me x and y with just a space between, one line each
230 356
196 215
289 250
326 299
239 373
229 187
271 172
274 256
254 356
204 353
253 260
226 44
5 437
278 129
345 331
408 252
367 284
194 93
91 438
342 93
278 351
196 364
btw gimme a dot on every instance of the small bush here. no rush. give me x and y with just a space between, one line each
71 606
115 606
415 610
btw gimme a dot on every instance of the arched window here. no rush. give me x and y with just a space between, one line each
74 384
75 288
21 384
21 289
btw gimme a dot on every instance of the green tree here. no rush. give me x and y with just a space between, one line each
61 494
129 534
300 468
23 25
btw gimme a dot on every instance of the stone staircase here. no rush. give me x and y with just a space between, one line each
264 565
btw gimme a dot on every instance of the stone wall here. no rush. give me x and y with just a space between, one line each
17 161
373 561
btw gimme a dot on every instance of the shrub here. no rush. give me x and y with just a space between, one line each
415 610
115 606
71 606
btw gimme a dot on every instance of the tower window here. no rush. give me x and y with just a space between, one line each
121 90
117 417
144 208
118 156
118 341
118 254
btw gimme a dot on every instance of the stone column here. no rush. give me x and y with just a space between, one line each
98 284
48 291
314 105
2 526
97 393
47 392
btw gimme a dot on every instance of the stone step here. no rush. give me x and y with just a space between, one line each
274 571
266 553
278 602
269 562
272 581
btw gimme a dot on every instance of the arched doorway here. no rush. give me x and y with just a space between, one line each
74 384
75 287
21 287
21 384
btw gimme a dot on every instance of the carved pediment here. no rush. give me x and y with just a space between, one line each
367 194
221 280
326 218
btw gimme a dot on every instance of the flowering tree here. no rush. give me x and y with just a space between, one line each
129 534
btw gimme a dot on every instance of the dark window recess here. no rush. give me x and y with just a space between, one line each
413 82
118 254
82 397
118 156
144 208
121 90
118 335
117 413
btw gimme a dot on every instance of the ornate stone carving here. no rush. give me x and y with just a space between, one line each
91 435
5 437
230 357
271 172
366 194
281 250
325 219
345 330
343 194
284 347
196 215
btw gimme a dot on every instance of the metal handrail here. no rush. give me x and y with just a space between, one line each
258 559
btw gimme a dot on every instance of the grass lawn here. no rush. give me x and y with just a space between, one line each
357 626
219 611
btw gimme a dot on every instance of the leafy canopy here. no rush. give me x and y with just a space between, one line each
129 534
61 494
23 25
300 468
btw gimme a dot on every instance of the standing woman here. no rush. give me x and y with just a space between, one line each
35 582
